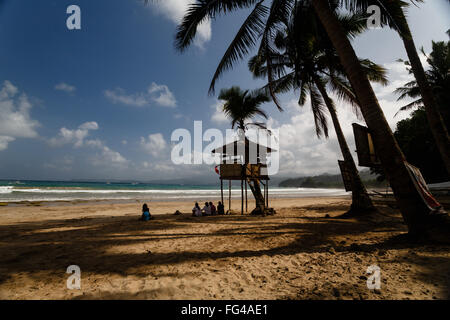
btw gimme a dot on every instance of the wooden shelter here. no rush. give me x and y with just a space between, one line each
245 161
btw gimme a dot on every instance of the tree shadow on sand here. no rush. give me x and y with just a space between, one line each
53 245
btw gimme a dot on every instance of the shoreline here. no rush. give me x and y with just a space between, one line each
38 203
161 207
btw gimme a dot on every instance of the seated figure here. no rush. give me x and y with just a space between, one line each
206 209
220 208
196 211
145 213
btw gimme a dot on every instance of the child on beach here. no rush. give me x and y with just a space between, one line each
145 213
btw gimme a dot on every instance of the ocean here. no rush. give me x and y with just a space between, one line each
48 191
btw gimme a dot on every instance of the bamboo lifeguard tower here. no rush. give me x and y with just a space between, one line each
245 161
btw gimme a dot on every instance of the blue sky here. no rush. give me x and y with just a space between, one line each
102 102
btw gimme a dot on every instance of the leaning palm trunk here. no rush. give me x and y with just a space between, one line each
435 120
256 190
361 202
255 187
414 210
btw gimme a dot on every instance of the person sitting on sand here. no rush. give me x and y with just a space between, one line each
196 211
145 213
213 209
206 209
220 208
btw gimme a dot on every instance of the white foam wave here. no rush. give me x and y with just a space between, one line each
49 195
6 190
162 191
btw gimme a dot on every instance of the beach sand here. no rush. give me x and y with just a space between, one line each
299 253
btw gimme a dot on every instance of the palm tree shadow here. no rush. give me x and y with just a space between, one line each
51 246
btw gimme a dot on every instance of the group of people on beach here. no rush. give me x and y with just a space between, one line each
208 210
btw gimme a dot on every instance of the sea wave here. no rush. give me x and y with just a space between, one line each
5 190
19 194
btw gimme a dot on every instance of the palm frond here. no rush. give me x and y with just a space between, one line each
201 10
244 40
409 106
241 106
318 108
375 72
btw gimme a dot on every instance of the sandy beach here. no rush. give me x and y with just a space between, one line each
302 252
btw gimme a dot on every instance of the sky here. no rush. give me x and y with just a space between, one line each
102 102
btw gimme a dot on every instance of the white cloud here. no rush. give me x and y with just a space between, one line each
78 137
155 145
162 95
174 10
157 94
65 87
108 157
119 96
75 137
96 143
300 151
15 119
4 140
218 115
91 125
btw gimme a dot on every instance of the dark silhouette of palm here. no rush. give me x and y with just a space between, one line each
305 60
260 25
393 15
438 76
241 106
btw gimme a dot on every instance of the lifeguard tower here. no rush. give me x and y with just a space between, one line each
245 161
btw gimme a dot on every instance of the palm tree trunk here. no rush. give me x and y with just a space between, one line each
256 190
435 120
253 183
361 202
414 210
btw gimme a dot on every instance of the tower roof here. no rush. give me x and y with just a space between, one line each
232 148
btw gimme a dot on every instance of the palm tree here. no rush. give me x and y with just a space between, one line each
242 106
438 76
393 15
416 214
309 64
261 23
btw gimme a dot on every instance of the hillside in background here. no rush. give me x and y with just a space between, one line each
331 181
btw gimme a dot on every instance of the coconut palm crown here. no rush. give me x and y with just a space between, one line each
241 106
